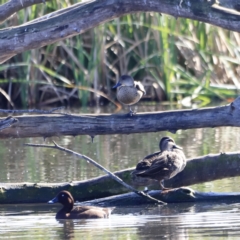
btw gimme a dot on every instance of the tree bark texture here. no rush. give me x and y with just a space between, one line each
80 17
201 169
59 125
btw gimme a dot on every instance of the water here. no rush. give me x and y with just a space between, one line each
175 221
116 152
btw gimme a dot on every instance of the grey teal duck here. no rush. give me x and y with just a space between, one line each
129 91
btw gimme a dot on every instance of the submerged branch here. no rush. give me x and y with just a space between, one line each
112 175
176 195
61 125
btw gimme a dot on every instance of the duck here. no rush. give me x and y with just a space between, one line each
129 92
164 164
78 212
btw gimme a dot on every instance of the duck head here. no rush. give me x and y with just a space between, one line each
65 198
125 80
168 144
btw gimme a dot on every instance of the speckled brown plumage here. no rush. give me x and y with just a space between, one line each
165 164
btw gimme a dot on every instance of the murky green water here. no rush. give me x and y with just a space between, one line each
116 152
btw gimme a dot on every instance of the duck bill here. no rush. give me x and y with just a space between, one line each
117 85
178 147
54 200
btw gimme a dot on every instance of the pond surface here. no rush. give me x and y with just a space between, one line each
116 152
174 221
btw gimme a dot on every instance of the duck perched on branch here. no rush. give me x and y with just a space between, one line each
165 164
129 91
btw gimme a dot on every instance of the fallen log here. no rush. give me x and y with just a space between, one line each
65 124
198 170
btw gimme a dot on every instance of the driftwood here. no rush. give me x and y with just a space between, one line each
59 125
80 17
198 170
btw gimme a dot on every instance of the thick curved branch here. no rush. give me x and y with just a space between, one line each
83 16
59 125
13 6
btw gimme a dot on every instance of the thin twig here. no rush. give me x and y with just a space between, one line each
112 175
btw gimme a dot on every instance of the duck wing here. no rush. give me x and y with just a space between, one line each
91 212
81 209
147 161
164 166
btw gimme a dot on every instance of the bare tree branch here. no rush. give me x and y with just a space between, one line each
13 6
83 16
112 175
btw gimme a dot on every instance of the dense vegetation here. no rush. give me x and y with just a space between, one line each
176 59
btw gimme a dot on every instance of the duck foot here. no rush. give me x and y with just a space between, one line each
131 112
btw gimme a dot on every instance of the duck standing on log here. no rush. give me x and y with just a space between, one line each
78 212
129 91
164 164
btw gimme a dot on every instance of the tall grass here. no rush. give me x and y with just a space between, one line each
182 60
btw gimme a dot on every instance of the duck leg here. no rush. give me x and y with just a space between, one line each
162 186
131 112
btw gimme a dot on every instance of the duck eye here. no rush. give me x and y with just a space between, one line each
62 195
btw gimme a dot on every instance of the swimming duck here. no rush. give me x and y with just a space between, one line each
78 212
129 91
165 164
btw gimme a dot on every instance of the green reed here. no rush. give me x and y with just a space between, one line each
176 59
